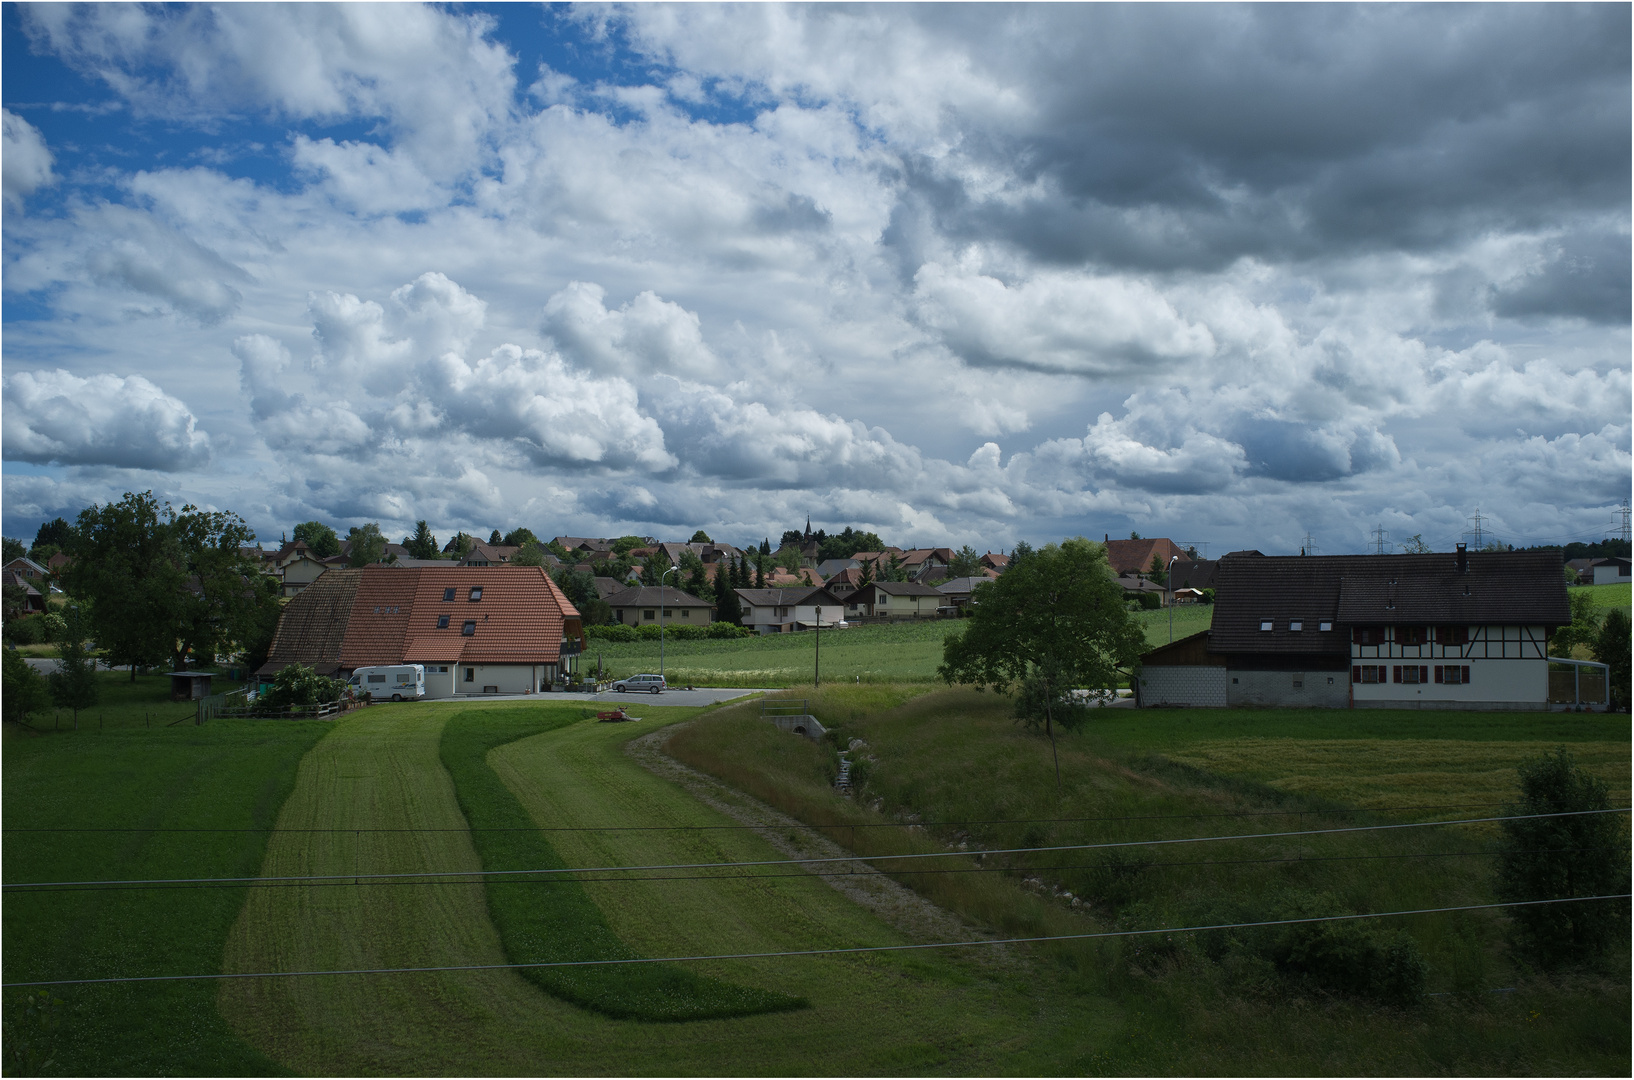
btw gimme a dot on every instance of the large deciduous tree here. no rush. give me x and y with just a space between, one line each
965 563
319 538
367 545
126 568
228 603
1054 622
1611 647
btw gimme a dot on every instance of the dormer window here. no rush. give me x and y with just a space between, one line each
469 629
1265 624
448 594
476 592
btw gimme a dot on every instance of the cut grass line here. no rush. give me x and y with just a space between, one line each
547 933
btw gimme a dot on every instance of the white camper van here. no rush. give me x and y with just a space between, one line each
399 682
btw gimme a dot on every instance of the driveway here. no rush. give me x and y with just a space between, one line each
702 695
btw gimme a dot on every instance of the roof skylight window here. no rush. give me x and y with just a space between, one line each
1324 627
442 622
1265 624
469 629
476 592
448 594
1296 626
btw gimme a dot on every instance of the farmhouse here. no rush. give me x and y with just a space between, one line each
477 629
1384 631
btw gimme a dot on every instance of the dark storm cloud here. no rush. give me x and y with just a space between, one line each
1187 137
1587 277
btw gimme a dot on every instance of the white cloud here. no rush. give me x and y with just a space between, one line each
60 418
25 161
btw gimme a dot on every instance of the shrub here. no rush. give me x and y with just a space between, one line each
41 628
1552 858
1611 647
1208 596
1150 601
616 632
24 690
298 685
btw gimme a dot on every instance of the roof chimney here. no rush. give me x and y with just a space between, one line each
1463 558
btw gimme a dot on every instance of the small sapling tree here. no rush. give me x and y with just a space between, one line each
73 684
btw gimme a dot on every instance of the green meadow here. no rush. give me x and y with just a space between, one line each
457 788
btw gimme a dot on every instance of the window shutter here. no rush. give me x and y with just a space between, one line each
1466 674
1395 673
1438 673
1424 673
1356 674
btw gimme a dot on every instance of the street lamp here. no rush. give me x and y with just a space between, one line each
817 661
1168 583
661 577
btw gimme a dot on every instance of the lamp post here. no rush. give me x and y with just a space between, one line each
817 661
661 577
1168 583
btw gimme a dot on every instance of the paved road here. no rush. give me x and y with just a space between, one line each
45 665
703 695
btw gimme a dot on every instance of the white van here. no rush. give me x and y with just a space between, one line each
399 682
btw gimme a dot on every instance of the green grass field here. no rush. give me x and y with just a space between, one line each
906 652
378 792
956 757
1607 597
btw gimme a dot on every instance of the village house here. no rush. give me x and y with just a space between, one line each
896 600
782 611
643 605
1464 630
477 629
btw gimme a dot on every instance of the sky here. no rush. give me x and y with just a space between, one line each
1268 277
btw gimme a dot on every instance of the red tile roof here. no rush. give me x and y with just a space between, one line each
1135 556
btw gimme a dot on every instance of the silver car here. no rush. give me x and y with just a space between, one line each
650 683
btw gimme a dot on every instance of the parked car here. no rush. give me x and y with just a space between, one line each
635 683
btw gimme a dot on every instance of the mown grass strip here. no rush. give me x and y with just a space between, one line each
542 921
231 776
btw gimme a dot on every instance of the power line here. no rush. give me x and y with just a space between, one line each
803 952
1023 869
426 874
1381 538
272 829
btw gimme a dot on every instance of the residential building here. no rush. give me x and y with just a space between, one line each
643 605
896 600
1463 630
1136 556
477 629
782 611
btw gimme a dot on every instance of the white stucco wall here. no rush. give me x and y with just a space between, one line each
509 678
1507 668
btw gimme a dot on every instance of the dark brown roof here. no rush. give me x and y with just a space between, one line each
898 588
1514 588
778 597
1187 574
650 596
1135 556
313 625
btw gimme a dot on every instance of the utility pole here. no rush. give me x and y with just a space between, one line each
1476 532
1625 512
817 661
1310 543
1380 539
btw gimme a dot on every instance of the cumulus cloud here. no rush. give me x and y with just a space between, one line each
54 417
643 337
25 161
1072 324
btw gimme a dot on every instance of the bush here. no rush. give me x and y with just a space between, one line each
24 689
1150 601
299 686
1611 647
41 628
1554 858
616 632
1208 596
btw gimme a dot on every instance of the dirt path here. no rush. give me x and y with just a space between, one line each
909 913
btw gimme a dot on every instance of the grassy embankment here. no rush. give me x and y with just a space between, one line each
124 803
879 1014
905 652
550 918
1213 1005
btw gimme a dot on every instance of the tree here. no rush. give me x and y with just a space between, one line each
320 539
73 684
299 686
760 570
11 549
1134 535
1157 573
701 537
459 547
1584 628
1553 858
531 554
965 563
1611 648
22 690
228 603
494 537
521 537
692 570
624 544
1571 575
728 608
893 569
367 545
1416 545
765 545
128 574
422 545
54 533
1056 617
